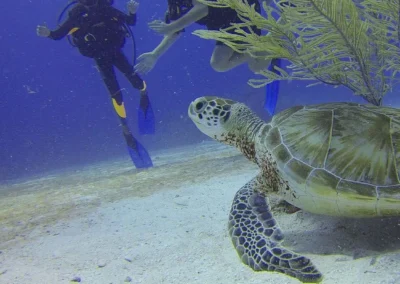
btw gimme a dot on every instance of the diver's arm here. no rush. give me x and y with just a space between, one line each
129 19
165 44
62 30
198 12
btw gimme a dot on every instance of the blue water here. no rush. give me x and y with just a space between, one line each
69 120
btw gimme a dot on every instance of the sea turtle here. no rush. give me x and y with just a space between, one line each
338 159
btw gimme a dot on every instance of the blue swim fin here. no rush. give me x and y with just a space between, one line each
272 89
146 119
140 156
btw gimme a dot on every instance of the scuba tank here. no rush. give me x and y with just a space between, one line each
71 3
99 2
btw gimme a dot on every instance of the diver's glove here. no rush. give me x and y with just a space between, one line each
42 31
133 6
147 61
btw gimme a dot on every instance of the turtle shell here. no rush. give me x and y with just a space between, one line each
338 158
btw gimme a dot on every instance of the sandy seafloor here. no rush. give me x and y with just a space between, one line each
109 223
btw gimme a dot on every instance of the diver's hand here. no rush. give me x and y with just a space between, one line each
147 61
161 27
42 31
133 6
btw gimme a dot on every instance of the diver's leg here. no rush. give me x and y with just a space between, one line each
256 64
138 153
123 65
146 120
225 58
106 69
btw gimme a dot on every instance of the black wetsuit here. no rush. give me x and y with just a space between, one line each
100 35
217 18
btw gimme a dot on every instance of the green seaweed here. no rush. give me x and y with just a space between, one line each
337 42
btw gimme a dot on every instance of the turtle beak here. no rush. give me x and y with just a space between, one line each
191 111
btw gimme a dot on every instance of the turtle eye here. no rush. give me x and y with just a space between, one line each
199 106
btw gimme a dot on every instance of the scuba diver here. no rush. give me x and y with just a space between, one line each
183 13
99 31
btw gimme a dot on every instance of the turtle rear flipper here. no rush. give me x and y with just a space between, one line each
257 237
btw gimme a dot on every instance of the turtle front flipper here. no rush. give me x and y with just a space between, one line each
257 237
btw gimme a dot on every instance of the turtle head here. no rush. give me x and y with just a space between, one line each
212 116
226 121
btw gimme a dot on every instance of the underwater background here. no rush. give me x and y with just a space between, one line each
74 208
55 112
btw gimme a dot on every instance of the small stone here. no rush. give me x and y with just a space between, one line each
128 279
3 272
128 259
101 264
76 279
